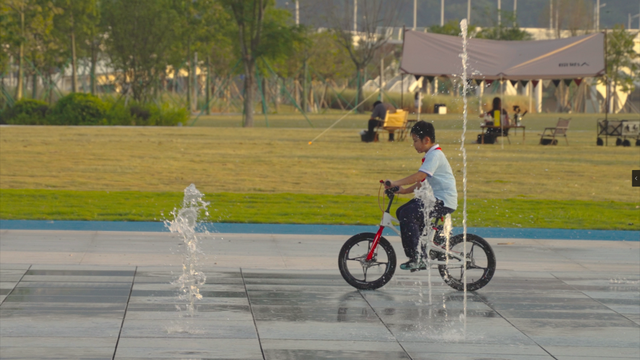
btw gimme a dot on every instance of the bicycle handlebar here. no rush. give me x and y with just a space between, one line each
390 191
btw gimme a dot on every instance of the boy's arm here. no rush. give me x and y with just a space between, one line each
411 179
409 189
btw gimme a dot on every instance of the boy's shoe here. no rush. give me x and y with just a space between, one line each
413 265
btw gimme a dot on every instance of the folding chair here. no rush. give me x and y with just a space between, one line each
393 122
560 130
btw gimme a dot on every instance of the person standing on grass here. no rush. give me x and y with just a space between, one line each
437 171
378 115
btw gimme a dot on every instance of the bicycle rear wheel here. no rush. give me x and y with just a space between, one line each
479 269
363 274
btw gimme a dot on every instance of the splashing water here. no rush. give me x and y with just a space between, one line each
425 193
185 224
465 60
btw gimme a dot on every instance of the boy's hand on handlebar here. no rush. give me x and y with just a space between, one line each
388 185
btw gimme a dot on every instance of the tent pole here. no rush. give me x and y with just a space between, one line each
501 112
606 76
401 90
381 78
530 90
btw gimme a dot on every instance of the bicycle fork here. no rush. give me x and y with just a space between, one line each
387 221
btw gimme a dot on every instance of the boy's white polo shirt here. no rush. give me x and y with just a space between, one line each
440 176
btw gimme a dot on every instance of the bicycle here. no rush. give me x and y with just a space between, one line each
364 266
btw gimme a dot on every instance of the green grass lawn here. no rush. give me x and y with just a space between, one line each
306 209
273 175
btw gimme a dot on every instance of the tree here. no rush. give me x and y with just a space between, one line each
43 47
14 11
452 27
573 15
500 30
622 68
327 57
6 37
77 22
263 31
140 36
363 42
202 23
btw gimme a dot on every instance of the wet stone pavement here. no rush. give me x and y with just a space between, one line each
129 312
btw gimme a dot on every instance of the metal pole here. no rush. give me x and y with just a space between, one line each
501 112
401 90
499 17
469 12
297 12
441 12
606 103
597 15
381 78
415 13
550 14
420 101
515 12
355 16
557 17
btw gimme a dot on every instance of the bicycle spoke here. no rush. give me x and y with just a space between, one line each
357 258
475 267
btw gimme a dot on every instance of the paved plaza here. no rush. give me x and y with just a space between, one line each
109 295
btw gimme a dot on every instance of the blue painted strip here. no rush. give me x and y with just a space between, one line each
234 228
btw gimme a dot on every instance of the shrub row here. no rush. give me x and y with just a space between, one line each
87 109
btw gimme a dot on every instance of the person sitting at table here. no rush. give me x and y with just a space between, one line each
378 115
497 116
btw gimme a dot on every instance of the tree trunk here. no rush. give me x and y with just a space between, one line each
94 60
249 66
189 76
20 59
34 85
208 87
276 102
194 89
305 90
50 87
359 89
74 70
265 92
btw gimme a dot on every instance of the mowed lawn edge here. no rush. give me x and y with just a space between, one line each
287 208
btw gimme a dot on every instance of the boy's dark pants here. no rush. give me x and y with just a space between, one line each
411 218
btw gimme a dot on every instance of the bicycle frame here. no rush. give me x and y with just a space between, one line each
387 222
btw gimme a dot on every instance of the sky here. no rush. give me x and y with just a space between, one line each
531 13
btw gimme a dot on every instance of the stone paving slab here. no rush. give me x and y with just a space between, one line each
542 304
310 319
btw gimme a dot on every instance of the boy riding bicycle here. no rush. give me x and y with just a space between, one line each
437 171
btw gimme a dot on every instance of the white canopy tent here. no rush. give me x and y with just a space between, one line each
427 54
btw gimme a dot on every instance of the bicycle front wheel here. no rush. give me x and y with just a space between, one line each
481 263
363 274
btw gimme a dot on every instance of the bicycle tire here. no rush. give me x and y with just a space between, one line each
352 257
481 274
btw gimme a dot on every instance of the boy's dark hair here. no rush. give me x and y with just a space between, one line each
424 129
376 103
